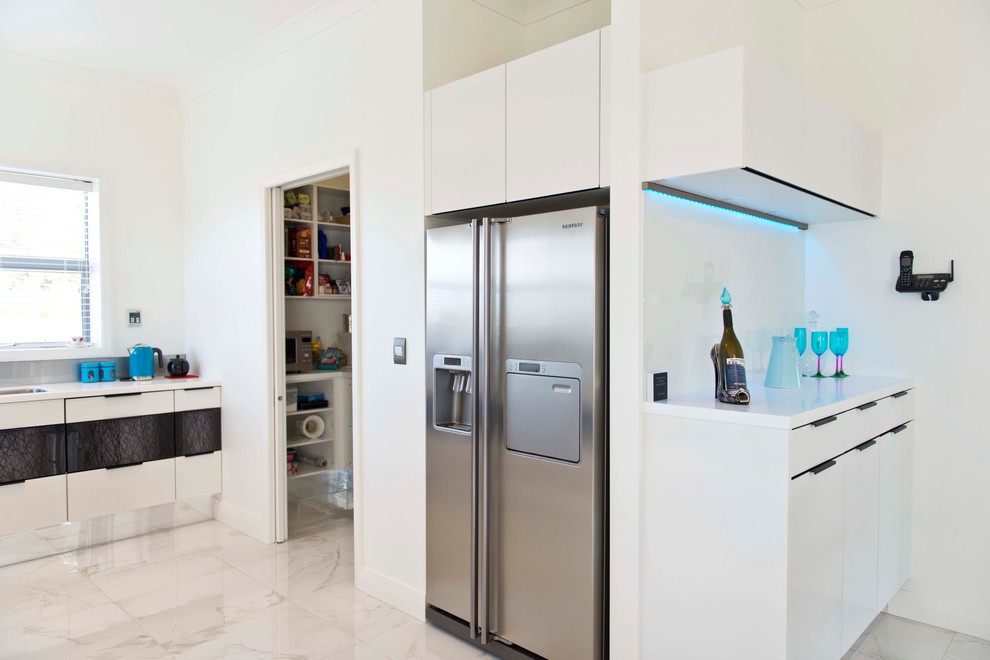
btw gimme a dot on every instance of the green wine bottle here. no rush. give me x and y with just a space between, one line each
730 350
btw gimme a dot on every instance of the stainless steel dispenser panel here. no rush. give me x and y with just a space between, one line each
543 416
448 451
548 305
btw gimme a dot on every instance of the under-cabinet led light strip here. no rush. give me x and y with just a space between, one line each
666 191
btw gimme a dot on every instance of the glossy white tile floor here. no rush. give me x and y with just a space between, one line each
205 591
201 591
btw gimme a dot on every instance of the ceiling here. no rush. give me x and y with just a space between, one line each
162 42
526 12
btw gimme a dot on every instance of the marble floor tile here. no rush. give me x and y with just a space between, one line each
415 640
146 549
300 568
352 611
963 647
359 652
25 546
128 580
285 630
183 609
893 638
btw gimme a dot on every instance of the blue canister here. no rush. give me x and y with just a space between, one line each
89 372
108 371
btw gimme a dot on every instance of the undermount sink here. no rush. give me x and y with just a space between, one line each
6 391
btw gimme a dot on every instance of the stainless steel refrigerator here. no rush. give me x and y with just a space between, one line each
516 428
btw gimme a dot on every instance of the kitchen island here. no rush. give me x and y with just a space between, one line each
783 525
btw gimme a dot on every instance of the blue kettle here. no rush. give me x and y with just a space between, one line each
142 361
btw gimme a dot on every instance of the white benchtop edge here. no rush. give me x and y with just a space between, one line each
782 409
76 389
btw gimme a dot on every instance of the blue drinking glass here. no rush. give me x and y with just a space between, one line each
838 343
801 334
819 344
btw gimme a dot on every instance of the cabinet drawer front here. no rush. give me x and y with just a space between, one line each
32 504
112 442
811 445
31 453
31 413
197 398
115 406
197 431
196 476
896 410
102 492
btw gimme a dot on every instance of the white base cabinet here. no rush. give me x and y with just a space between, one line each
31 504
110 490
787 532
196 476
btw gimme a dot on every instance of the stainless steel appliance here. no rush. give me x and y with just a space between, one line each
516 430
298 350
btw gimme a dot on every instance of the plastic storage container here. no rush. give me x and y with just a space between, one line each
89 372
108 371
291 399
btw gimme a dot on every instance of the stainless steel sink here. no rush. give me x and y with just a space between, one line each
5 391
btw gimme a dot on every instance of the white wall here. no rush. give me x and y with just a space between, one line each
918 74
355 86
690 253
60 119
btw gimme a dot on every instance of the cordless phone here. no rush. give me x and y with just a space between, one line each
907 270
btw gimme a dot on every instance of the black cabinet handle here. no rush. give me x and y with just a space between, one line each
823 422
867 406
899 428
115 467
114 396
822 467
899 395
866 445
197 389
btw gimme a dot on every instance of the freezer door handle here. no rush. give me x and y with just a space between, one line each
475 258
483 328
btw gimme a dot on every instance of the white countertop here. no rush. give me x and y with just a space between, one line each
77 389
783 409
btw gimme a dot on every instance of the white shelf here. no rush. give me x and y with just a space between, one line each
337 296
302 442
333 225
308 471
298 221
316 376
338 262
310 411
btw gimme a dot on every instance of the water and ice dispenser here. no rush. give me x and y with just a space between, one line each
453 393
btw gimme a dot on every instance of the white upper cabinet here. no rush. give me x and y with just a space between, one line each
534 127
467 142
553 120
729 127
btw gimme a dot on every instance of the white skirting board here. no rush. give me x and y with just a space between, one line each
243 521
945 613
392 592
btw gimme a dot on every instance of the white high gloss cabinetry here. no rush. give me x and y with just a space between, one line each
775 523
534 127
101 492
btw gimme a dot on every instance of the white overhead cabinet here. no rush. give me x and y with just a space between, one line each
731 128
552 117
530 128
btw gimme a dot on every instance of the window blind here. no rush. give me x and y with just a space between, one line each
45 265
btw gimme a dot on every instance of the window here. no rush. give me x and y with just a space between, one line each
48 247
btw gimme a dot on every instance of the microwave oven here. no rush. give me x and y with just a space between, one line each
298 350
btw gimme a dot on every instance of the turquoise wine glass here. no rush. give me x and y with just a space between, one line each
819 344
801 334
838 343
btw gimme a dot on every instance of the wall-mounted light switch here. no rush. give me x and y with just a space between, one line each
399 350
133 317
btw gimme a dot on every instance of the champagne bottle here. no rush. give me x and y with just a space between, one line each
730 350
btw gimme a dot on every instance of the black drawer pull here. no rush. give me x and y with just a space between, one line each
867 406
899 395
116 467
202 453
866 445
197 389
823 422
899 428
822 467
11 483
114 396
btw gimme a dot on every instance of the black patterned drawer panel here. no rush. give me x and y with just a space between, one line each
31 453
108 443
197 432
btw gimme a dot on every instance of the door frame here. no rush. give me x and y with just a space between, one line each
270 186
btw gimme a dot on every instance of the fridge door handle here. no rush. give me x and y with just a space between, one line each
475 418
484 334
